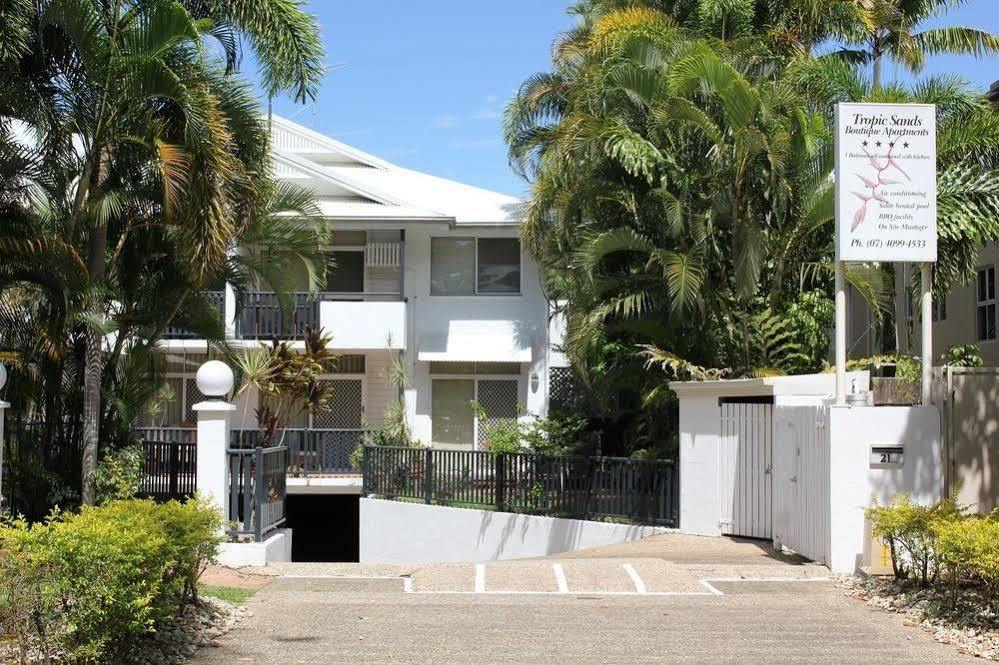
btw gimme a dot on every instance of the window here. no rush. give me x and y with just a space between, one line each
453 420
452 266
986 303
345 272
470 266
940 309
499 265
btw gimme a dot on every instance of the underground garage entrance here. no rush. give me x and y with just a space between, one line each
324 526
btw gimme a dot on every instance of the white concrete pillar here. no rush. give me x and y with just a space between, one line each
229 311
840 341
3 411
215 380
926 336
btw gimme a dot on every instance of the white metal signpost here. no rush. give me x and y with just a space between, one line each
886 205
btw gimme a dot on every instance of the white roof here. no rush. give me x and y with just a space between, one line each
352 184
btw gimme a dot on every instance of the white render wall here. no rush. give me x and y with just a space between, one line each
402 532
855 484
429 318
825 518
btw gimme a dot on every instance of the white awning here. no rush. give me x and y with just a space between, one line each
476 341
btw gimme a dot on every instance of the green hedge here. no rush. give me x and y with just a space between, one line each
81 585
940 542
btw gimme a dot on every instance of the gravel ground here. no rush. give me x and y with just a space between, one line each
198 625
971 626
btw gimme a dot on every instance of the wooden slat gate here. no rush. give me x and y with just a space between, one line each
745 466
801 480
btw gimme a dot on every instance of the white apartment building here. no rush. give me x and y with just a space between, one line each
430 276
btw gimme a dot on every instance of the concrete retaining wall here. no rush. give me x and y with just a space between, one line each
276 547
399 532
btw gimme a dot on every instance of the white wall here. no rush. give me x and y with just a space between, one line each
429 318
364 325
400 532
276 547
700 430
855 484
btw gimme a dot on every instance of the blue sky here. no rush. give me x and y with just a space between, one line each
422 82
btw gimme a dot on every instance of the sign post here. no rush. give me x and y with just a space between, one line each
886 205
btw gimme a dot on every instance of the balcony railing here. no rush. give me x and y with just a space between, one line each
311 451
263 317
217 300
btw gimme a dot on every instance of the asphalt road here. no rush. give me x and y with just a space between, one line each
326 620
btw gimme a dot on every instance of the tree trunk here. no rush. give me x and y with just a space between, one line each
93 369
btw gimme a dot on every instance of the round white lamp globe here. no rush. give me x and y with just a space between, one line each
214 379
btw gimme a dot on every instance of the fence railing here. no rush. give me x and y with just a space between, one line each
311 451
257 490
170 470
182 434
217 300
263 317
644 491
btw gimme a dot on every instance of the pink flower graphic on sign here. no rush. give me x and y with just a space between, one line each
873 186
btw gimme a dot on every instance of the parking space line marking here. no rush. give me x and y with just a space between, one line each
563 584
710 587
635 578
768 579
480 578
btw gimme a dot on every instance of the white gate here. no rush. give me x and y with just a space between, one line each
801 480
745 462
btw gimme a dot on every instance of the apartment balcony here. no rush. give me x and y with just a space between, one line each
355 320
217 300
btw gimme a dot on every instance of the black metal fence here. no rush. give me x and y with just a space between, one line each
311 451
643 491
257 490
170 470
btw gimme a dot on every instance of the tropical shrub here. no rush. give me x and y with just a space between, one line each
968 355
555 435
119 474
82 585
941 541
970 548
907 529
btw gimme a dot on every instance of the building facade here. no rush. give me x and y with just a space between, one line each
433 305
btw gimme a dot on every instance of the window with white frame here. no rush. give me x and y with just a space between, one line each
456 389
986 303
474 266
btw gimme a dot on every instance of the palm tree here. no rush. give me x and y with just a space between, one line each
891 30
162 144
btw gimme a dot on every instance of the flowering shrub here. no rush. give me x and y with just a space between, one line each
80 585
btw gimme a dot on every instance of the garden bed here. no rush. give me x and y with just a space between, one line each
971 624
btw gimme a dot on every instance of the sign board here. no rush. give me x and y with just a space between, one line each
886 182
887 455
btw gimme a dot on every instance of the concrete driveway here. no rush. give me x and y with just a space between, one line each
698 600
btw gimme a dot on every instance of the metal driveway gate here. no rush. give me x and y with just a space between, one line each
744 466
